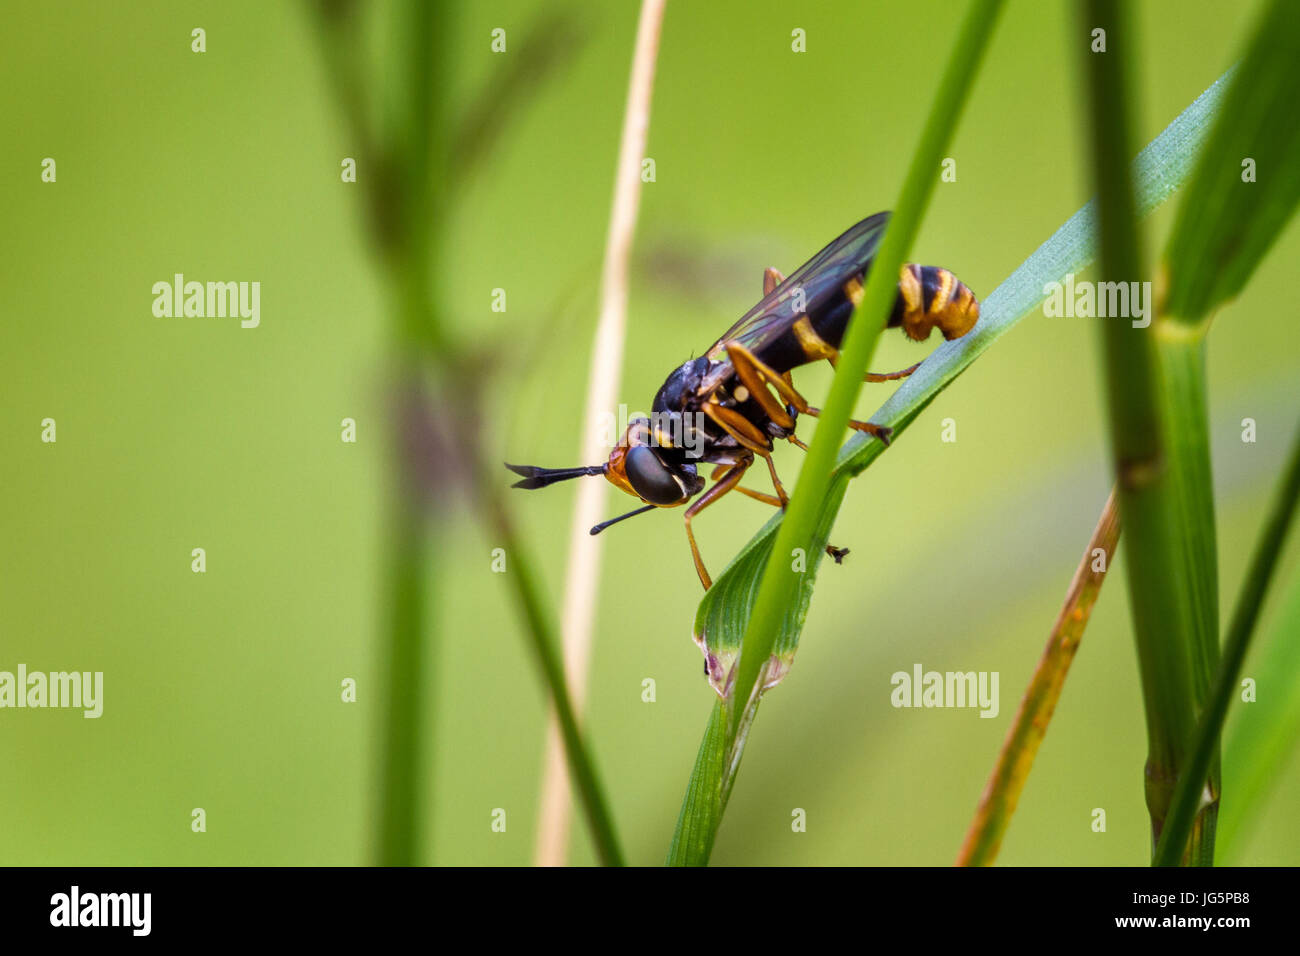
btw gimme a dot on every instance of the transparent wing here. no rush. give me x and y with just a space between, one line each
804 291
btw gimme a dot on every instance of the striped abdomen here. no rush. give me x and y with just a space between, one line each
930 297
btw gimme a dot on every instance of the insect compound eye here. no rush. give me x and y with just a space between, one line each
650 477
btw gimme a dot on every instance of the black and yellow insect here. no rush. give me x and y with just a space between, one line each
732 403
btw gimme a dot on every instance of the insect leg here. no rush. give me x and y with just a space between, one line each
776 483
751 369
771 279
767 499
748 365
871 428
740 428
890 376
743 358
879 376
882 376
720 488
909 290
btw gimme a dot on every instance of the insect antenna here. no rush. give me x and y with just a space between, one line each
605 524
535 477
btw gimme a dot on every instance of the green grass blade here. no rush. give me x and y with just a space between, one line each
406 718
779 589
1157 172
1159 443
1225 224
1232 215
1189 796
1262 739
407 211
545 645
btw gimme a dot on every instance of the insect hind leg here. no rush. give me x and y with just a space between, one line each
879 376
891 376
883 432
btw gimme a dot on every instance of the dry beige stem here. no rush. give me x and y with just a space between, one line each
583 575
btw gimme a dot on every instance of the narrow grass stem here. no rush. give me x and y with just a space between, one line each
1158 444
545 647
408 570
1192 792
1027 731
582 578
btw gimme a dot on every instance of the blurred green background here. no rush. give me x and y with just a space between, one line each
222 690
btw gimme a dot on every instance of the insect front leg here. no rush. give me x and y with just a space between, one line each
730 479
748 364
755 376
745 432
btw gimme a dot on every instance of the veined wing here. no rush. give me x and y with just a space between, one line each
809 286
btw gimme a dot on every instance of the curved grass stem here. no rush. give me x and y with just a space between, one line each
1027 731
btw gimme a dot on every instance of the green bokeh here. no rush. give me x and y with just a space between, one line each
222 689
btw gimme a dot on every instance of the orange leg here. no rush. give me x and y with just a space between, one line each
910 289
891 376
740 428
730 479
883 376
776 483
767 499
754 373
771 279
755 377
748 366
871 428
